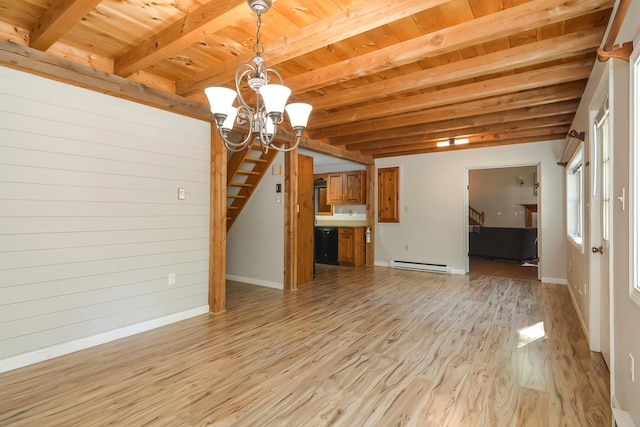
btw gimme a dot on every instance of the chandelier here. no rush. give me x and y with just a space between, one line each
266 113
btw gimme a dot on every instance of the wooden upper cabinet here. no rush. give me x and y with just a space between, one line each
346 188
334 188
389 194
353 188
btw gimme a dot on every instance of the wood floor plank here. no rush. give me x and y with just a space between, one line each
533 408
358 346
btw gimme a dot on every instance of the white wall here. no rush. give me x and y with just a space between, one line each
613 77
433 209
90 224
255 242
498 193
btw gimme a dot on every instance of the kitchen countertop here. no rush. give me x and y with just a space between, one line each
344 223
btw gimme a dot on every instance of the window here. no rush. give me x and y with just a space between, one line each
574 198
634 164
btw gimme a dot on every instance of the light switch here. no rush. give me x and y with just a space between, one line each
182 193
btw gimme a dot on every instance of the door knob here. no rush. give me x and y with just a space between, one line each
596 250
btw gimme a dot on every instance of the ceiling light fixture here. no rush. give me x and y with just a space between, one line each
453 141
269 105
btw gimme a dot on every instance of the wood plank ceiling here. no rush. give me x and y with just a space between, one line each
385 77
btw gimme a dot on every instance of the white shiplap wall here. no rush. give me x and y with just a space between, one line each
90 221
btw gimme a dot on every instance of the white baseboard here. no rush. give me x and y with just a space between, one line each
253 281
386 264
554 280
620 418
585 329
40 355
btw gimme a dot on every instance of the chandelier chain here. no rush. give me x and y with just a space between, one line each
258 48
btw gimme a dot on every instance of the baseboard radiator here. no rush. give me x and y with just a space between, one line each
421 266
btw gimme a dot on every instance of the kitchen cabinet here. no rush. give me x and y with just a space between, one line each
389 194
351 246
346 188
334 188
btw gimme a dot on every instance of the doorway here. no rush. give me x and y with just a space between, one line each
503 215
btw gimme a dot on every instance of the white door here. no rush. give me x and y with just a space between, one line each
602 204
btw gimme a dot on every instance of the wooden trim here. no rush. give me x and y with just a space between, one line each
33 61
290 220
218 225
370 257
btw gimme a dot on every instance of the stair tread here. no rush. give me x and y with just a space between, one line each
239 184
255 160
246 172
229 196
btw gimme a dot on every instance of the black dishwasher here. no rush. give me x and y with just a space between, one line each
326 242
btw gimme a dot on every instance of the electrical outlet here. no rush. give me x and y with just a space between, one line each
171 279
632 368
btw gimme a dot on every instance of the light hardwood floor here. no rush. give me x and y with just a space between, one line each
357 347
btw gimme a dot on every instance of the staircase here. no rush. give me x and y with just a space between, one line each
475 217
245 170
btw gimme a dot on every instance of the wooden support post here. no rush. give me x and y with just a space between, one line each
290 220
371 216
217 225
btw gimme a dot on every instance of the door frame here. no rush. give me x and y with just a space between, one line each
538 166
603 90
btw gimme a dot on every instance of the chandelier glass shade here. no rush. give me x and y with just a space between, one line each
266 113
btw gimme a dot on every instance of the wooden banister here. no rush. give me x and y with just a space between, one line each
475 217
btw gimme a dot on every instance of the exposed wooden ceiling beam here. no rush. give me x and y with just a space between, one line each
536 13
443 135
460 123
499 86
59 19
495 138
207 19
357 19
492 143
321 147
496 62
531 99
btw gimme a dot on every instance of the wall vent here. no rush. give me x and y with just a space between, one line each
422 266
